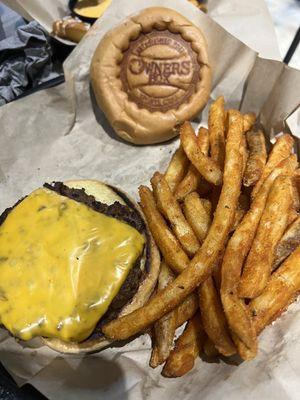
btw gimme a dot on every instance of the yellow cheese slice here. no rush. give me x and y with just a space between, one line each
61 265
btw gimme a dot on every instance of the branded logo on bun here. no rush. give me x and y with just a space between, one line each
150 74
160 71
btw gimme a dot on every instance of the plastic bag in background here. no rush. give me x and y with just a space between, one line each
25 59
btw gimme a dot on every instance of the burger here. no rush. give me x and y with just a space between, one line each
73 256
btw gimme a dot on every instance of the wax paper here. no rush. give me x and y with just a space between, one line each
60 134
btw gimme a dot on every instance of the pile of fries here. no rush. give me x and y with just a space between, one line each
225 218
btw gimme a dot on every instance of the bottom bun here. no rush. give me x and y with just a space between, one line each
108 195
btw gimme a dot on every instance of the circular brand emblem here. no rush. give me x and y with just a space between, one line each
159 71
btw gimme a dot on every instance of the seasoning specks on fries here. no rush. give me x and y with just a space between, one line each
225 217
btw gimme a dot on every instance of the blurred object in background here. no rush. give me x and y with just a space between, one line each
89 10
70 28
26 56
201 4
286 17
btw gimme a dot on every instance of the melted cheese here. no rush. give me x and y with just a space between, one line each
61 265
91 8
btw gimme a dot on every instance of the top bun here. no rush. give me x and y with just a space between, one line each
150 74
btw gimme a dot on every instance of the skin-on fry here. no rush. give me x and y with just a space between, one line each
288 243
213 318
196 215
186 309
257 157
281 150
205 165
216 128
169 246
187 349
281 290
169 207
193 179
235 254
249 121
273 223
201 266
177 168
164 329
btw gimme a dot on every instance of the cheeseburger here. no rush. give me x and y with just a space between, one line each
150 74
73 256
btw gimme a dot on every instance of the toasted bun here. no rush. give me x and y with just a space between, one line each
108 195
153 67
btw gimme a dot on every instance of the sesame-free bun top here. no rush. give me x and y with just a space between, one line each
151 73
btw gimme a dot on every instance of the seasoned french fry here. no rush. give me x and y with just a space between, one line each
249 121
164 329
196 215
242 208
193 179
257 157
201 266
187 309
213 318
177 168
216 128
170 208
296 199
187 349
207 205
288 243
235 254
216 274
205 165
293 215
281 290
209 348
244 152
169 246
281 150
272 225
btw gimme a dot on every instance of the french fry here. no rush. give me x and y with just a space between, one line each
236 251
273 223
213 318
245 153
207 205
293 215
201 266
242 208
193 179
177 168
216 128
169 246
187 348
288 243
205 165
281 150
187 309
249 121
196 214
296 199
216 274
164 329
257 157
281 290
209 348
169 207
